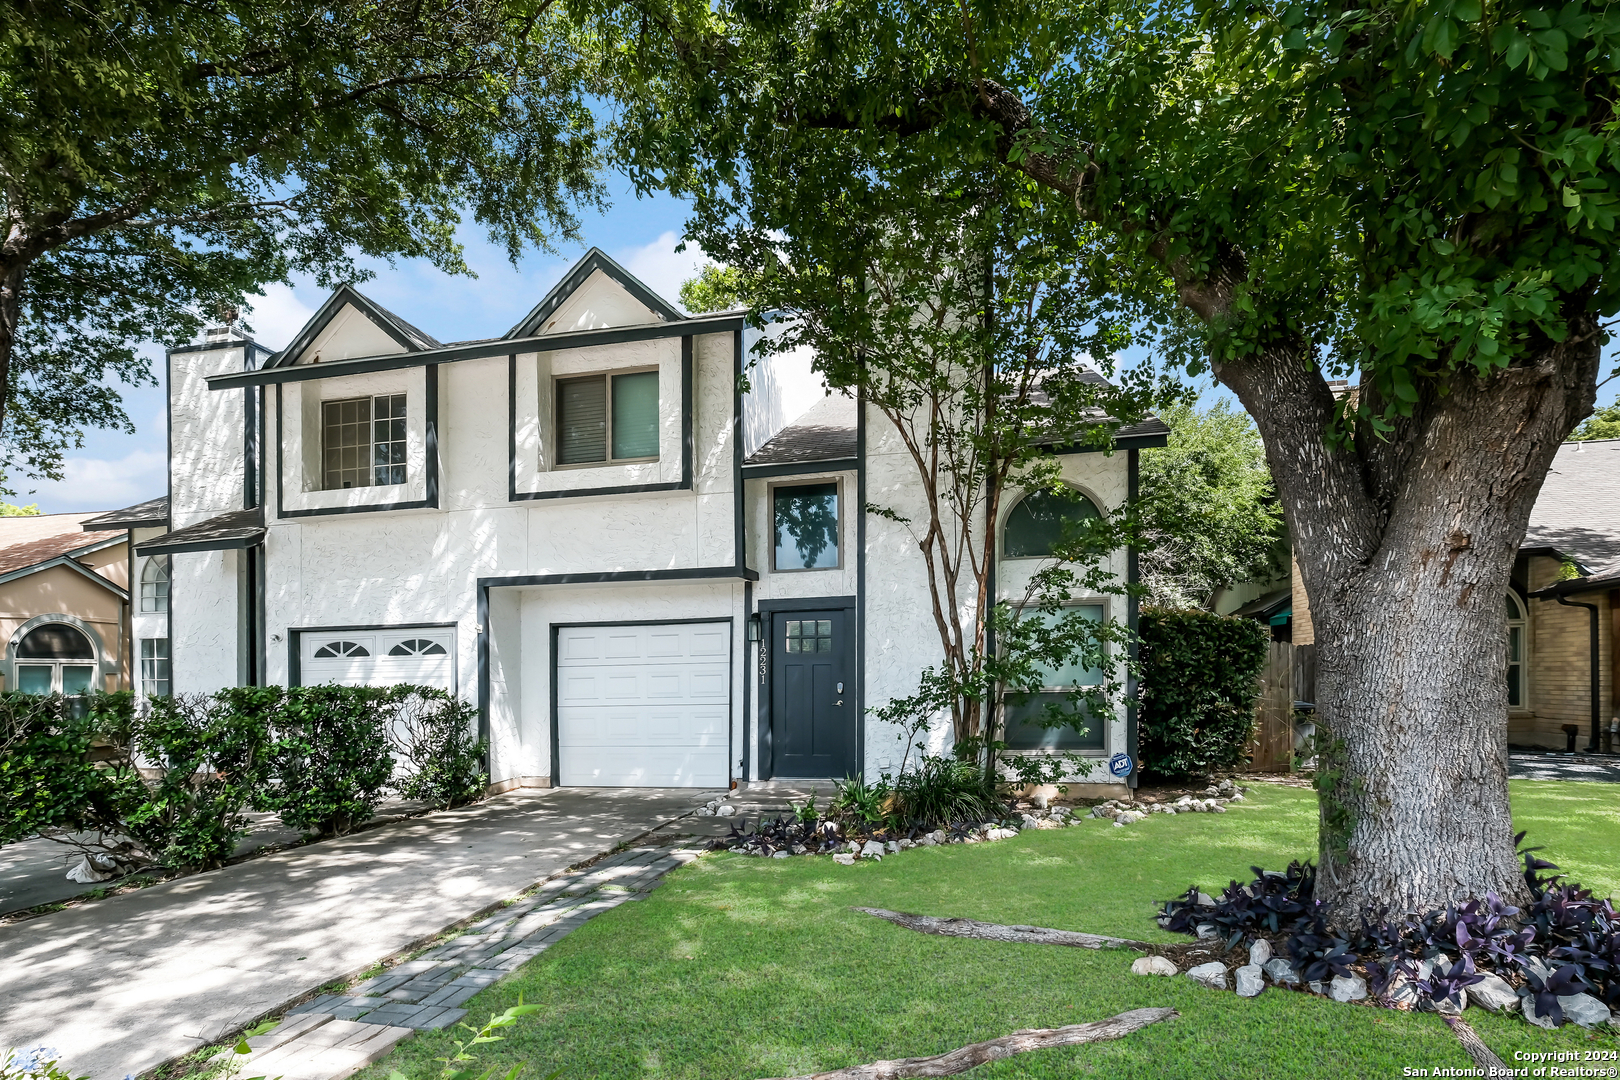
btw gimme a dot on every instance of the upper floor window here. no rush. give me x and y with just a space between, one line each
1035 526
155 584
363 442
805 523
1515 652
607 418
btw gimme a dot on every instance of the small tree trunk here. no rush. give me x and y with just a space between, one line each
1406 547
11 287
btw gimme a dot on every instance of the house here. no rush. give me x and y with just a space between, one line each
64 604
1561 608
640 574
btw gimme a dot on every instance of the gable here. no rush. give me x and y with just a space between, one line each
596 293
349 333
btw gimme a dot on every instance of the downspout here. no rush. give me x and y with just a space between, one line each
1592 665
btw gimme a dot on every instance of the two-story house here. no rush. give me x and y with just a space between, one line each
640 573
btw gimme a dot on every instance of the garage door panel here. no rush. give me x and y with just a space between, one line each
644 705
422 657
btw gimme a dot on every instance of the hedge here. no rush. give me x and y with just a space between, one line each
1200 681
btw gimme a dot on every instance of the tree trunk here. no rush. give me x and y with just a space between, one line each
11 287
1406 546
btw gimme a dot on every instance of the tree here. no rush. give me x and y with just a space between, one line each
162 160
1422 196
716 288
12 510
1602 424
1210 518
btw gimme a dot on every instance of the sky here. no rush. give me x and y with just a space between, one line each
115 469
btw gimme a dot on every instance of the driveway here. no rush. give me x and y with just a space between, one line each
1525 766
121 985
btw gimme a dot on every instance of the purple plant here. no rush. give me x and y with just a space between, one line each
1448 985
1316 952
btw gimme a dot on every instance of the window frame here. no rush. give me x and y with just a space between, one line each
162 565
607 418
1006 519
1523 663
166 659
369 469
771 489
1102 751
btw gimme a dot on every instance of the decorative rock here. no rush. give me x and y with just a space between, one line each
1250 981
1317 986
1442 964
1353 988
1281 971
907 845
1205 900
1207 932
780 854
1217 809
1061 812
1237 796
705 811
872 850
1585 1010
1212 975
1494 993
1031 822
725 810
1152 965
1260 953
1527 1005
928 841
1450 1007
1119 824
844 858
852 847
1538 967
892 847
1402 991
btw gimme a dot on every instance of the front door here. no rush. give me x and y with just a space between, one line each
813 705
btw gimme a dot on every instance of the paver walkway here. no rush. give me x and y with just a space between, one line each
123 984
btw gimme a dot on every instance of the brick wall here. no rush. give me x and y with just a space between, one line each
1303 632
1559 679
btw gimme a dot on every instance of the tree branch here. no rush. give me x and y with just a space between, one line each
1030 935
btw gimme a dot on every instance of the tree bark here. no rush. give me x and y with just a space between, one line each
1023 935
11 287
1406 546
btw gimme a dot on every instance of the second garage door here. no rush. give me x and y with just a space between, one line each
644 705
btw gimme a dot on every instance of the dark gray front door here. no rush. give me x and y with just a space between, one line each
813 709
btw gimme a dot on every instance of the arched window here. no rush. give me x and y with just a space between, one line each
417 647
333 649
1517 648
1035 525
155 584
55 659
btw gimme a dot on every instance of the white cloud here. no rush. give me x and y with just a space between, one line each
661 268
100 484
277 315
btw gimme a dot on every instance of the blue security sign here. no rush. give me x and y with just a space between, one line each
1121 765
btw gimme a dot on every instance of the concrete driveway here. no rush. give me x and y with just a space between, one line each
126 983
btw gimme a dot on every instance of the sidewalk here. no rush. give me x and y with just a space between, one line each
123 984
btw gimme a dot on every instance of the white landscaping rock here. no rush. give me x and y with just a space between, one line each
892 847
705 811
1281 971
725 810
1237 797
928 841
1152 965
872 850
1260 952
781 854
1585 1010
1207 932
1250 980
1527 1005
1493 993
1205 900
1448 1007
1353 988
1212 975
844 858
1031 822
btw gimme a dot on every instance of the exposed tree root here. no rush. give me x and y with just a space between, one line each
1019 1042
1471 1042
1033 935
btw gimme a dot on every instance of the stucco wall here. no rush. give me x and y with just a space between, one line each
781 387
206 428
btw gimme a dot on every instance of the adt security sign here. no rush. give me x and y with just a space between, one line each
1121 765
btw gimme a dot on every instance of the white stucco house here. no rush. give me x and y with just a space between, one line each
640 574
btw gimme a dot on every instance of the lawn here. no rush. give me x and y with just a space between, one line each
741 967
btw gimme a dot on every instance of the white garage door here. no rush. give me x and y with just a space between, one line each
644 706
379 657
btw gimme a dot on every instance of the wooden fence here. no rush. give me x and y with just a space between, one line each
1273 749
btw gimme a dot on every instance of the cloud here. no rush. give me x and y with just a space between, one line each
277 315
661 268
101 484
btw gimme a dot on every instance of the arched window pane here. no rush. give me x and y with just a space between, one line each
1035 525
54 641
155 585
1517 641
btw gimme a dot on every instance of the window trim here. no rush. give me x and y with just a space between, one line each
1523 622
105 661
1102 752
162 564
770 519
1006 518
607 375
143 660
369 469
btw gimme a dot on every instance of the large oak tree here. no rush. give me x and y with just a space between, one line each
161 159
1421 196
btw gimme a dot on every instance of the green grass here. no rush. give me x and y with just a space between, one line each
741 967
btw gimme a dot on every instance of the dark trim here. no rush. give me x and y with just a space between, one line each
1127 442
692 573
860 572
430 459
593 260
688 408
295 634
479 350
739 534
851 606
556 729
1132 612
482 678
747 676
155 546
341 296
800 468
251 442
168 468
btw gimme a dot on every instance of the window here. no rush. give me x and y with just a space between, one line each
809 635
155 678
55 659
155 584
1036 524
603 418
363 442
1024 711
333 649
1516 643
805 519
416 647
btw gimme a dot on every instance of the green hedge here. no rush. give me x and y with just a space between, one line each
1200 680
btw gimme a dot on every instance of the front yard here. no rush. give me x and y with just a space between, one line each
743 967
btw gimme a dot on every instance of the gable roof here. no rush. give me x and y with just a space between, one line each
1577 514
233 529
593 260
153 512
410 339
40 542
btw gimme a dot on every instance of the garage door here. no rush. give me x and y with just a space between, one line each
644 706
379 657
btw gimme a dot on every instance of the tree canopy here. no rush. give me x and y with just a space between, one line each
162 160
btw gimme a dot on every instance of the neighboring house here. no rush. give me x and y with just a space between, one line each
641 575
64 605
1561 632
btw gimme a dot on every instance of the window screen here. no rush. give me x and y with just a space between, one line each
635 415
806 524
582 420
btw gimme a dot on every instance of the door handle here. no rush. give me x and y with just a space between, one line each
840 701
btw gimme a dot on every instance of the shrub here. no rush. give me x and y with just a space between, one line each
205 761
332 759
439 757
945 790
64 767
1199 686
